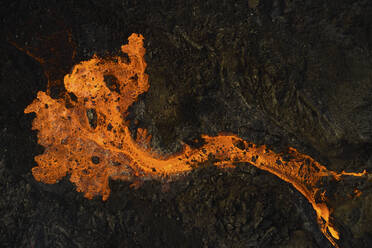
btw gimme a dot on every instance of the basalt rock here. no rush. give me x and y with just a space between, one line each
276 72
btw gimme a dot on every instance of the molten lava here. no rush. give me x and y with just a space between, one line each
85 136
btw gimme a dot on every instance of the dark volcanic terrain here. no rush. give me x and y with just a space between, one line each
285 73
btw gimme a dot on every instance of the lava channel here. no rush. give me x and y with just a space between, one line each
85 136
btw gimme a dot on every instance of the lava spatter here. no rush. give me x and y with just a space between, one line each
87 138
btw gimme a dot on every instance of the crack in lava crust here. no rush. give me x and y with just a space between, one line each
88 138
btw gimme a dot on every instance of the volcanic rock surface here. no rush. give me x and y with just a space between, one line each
281 73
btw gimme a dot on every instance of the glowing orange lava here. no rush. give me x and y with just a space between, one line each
85 136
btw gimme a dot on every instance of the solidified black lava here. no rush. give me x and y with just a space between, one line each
275 72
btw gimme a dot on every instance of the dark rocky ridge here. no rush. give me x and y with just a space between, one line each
281 73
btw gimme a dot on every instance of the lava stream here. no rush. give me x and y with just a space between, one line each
85 135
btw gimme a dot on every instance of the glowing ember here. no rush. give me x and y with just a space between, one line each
85 135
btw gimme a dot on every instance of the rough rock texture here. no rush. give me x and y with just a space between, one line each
276 72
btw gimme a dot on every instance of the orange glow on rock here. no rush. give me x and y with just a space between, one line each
85 136
357 193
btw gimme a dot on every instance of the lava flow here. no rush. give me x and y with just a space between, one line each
85 136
